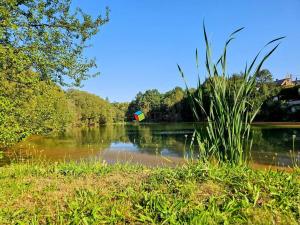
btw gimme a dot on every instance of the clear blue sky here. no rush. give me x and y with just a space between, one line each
144 40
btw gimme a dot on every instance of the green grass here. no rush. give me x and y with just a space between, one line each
96 193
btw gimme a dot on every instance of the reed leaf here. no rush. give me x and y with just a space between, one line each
230 114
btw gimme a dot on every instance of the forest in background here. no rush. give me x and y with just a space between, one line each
43 107
41 54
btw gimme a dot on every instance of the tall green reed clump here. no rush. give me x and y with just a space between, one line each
230 110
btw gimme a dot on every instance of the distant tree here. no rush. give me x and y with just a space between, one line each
171 104
92 110
120 110
174 105
174 96
265 89
148 102
264 77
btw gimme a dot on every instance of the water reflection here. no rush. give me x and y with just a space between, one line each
271 146
274 146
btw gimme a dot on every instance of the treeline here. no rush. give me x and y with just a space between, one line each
174 105
159 107
91 110
35 106
41 50
42 107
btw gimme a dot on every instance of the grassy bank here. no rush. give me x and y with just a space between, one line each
95 193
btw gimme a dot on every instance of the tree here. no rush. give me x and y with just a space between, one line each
148 102
172 104
120 110
264 76
40 109
46 37
174 96
265 90
265 87
92 110
41 45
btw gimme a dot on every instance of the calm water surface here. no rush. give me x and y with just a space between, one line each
149 144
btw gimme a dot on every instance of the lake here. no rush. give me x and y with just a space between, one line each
150 144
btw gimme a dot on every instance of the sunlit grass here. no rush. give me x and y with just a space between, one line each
97 193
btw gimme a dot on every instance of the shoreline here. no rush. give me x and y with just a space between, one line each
278 124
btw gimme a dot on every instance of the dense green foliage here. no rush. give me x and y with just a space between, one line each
41 44
157 107
92 110
96 193
174 105
47 37
120 109
37 107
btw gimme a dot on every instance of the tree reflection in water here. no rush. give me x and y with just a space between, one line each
271 145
